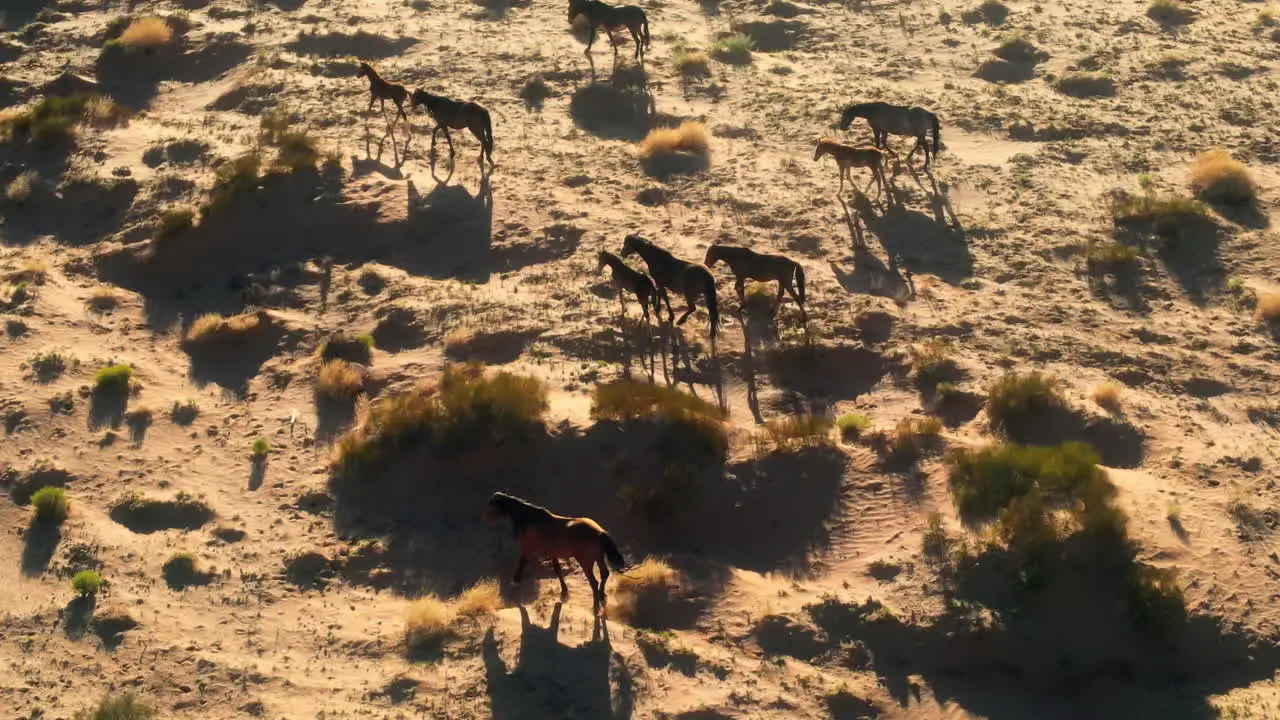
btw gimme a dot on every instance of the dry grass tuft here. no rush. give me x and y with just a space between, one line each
1111 258
692 419
690 137
1019 401
339 380
692 64
1107 394
1170 12
644 594
733 49
910 438
118 707
172 222
20 189
793 433
427 624
146 34
214 329
483 598
1217 177
1269 308
1086 84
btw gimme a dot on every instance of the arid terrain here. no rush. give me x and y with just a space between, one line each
219 156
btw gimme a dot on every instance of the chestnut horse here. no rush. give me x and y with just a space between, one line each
542 534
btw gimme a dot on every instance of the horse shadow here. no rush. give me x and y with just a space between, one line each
824 374
621 109
552 680
372 162
39 543
918 241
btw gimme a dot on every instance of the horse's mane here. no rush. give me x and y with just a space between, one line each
513 505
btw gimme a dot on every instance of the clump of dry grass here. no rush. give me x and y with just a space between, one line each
932 363
1086 84
172 222
339 380
21 188
910 438
1019 49
733 49
1018 401
793 433
1217 177
427 625
483 598
146 34
213 329
1170 12
1269 308
54 118
690 418
692 64
690 137
643 596
1112 258
232 179
1107 394
991 12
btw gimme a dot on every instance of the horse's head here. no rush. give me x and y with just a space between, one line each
365 70
603 258
713 256
497 508
850 114
575 7
418 97
632 243
820 150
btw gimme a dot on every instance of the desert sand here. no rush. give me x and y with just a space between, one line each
802 585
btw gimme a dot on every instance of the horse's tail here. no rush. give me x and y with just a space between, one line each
937 133
800 282
713 306
487 141
611 553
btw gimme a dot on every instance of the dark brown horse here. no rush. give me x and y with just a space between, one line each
384 90
603 15
747 264
886 119
457 114
628 279
690 279
542 534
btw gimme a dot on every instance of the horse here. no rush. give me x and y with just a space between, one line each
670 272
384 90
602 14
628 279
886 119
851 156
747 264
542 534
457 114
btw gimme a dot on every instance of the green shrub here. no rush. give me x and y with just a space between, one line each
113 378
1017 48
934 542
931 363
851 425
118 707
86 583
466 407
356 349
910 439
51 504
733 49
261 448
1019 400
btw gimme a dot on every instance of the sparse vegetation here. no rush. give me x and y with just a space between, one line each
182 570
1217 177
1017 400
792 433
261 448
535 91
113 379
1170 12
483 598
1107 394
184 413
20 189
356 349
214 330
910 438
931 363
1112 258
733 49
86 583
851 425
690 137
691 64
232 179
172 222
692 419
48 366
53 118
146 34
118 707
103 300
465 407
643 595
144 514
339 380
991 12
51 505
1082 84
1018 48
934 542
427 625
1166 214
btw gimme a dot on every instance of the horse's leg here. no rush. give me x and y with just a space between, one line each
664 296
692 299
622 301
644 305
791 290
586 564
564 589
842 181
777 302
740 284
591 38
519 569
604 577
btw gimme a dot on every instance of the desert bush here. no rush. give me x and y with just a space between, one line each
145 34
535 90
792 433
1017 48
183 570
1268 309
118 707
47 121
483 598
692 421
21 188
297 151
232 179
50 504
931 363
356 349
1217 177
1112 258
184 413
1107 394
211 329
140 513
339 380
103 300
733 49
465 407
1165 213
172 222
113 378
260 449
1170 12
642 597
48 366
86 583
851 425
692 64
1018 400
690 137
910 438
934 542
1086 84
991 12
427 625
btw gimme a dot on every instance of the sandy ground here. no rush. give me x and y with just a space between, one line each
418 252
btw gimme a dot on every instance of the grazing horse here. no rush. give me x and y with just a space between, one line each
601 14
544 535
383 90
628 279
747 264
670 272
851 156
886 120
457 114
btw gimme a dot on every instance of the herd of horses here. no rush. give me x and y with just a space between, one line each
541 534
